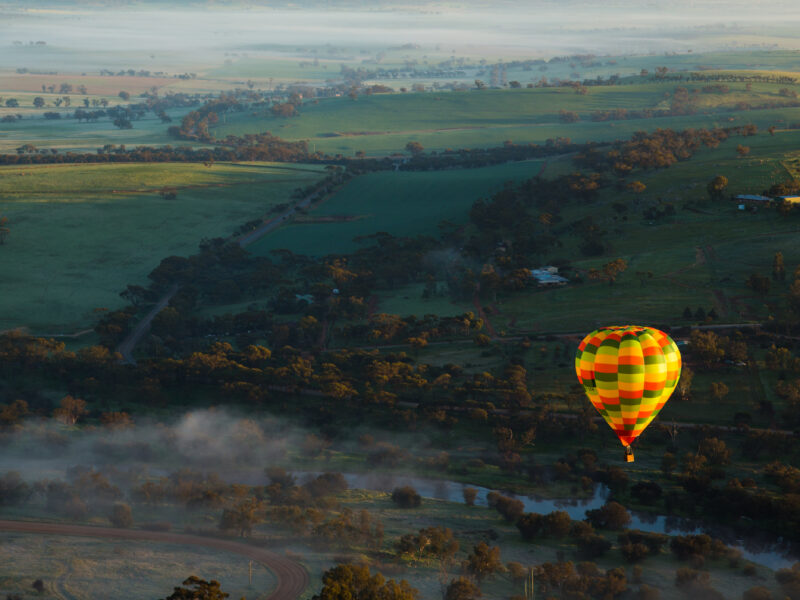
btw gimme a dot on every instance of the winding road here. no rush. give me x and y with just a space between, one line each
292 577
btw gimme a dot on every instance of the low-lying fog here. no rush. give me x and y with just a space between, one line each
528 28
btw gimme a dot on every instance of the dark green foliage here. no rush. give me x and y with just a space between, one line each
406 497
611 516
345 582
198 589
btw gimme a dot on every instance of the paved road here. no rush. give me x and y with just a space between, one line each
292 577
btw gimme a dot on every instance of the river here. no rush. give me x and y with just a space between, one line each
766 550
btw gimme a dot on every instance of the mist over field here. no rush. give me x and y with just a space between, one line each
540 28
331 289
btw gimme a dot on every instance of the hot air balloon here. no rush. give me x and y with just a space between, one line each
628 373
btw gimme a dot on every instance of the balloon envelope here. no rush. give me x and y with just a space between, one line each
628 373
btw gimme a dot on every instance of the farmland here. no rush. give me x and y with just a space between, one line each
384 123
81 233
399 203
312 361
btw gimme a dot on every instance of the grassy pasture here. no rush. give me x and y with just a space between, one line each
81 233
698 259
399 203
68 134
83 568
96 85
384 123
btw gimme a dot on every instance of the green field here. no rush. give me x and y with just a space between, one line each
80 233
397 202
385 123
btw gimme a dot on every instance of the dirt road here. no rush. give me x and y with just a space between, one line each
292 577
129 343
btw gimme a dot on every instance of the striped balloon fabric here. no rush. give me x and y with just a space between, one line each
628 373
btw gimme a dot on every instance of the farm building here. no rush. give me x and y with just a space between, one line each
548 276
752 200
791 199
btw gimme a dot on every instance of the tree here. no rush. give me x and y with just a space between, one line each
705 346
609 271
742 150
484 561
719 390
198 589
38 585
123 123
668 463
70 410
462 589
38 102
637 187
354 582
125 96
716 451
685 382
611 515
406 497
469 496
414 148
757 593
568 116
716 186
121 516
758 283
778 268
4 230
241 517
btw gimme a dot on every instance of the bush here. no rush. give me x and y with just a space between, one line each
690 578
757 593
592 546
462 589
557 524
648 593
653 541
647 492
530 525
470 494
634 552
406 497
686 546
611 516
121 516
511 508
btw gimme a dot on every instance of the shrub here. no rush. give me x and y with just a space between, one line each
593 546
121 515
470 494
611 516
757 593
406 497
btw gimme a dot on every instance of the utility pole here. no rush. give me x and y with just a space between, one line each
530 594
